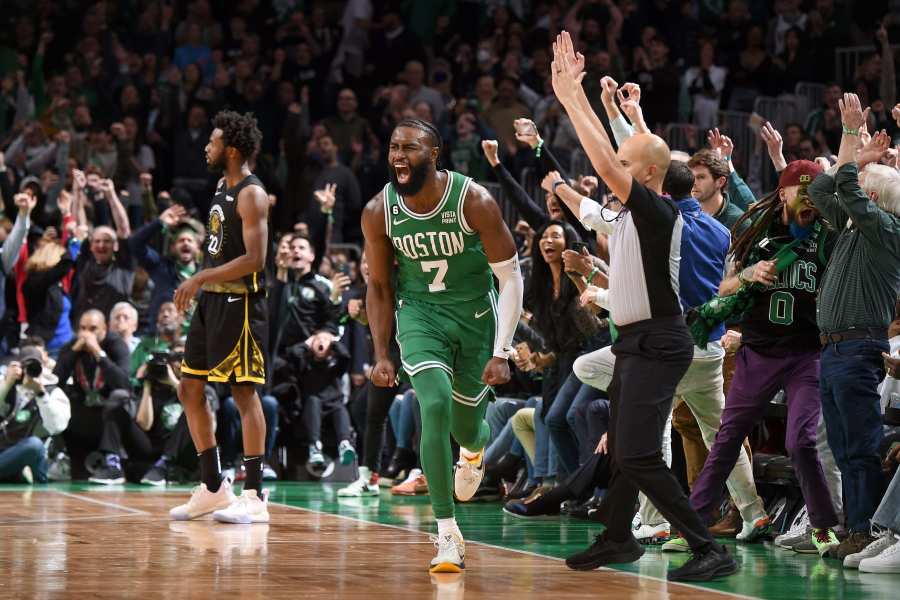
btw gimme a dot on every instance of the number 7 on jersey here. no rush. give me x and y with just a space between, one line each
437 285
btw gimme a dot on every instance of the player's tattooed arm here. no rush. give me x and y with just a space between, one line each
253 207
380 291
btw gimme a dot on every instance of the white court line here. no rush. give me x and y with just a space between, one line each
101 502
518 551
66 520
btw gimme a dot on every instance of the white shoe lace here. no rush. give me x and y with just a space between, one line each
878 546
446 544
890 550
470 472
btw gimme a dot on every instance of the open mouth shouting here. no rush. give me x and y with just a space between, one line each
403 172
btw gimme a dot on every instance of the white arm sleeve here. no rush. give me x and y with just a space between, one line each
595 217
622 129
509 304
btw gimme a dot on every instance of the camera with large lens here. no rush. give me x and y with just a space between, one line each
33 367
158 362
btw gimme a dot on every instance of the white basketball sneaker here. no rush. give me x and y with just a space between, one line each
364 486
851 561
203 502
652 535
469 473
451 554
249 507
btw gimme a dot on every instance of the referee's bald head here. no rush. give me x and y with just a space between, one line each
646 157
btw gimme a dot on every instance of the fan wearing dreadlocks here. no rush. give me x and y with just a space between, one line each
779 261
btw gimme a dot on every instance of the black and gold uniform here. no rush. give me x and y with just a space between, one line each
229 329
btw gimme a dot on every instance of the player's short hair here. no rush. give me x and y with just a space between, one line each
709 159
239 131
436 139
679 180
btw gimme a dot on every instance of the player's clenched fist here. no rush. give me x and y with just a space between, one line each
384 374
496 371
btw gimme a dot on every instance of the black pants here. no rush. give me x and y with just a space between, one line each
82 435
316 408
378 403
651 358
122 435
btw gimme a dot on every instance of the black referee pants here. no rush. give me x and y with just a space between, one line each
651 358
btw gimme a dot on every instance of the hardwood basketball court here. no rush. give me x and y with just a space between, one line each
80 541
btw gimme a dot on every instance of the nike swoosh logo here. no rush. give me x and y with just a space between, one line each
232 299
478 315
396 222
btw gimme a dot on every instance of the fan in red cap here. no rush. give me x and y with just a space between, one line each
771 290
798 208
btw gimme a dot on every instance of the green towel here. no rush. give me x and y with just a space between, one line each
703 319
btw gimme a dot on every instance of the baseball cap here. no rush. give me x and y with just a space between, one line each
799 172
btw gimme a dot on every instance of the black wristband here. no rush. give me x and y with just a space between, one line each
558 183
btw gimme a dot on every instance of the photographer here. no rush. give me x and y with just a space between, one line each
167 325
156 430
31 407
91 368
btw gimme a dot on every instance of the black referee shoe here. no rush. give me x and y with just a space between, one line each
605 551
709 564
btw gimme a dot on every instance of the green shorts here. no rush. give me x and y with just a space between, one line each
458 338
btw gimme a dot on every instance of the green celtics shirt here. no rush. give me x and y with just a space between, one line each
440 258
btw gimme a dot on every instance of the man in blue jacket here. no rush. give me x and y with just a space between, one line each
166 271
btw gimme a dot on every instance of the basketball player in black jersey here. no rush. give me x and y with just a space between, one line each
228 330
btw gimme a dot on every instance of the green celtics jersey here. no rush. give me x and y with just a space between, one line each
440 258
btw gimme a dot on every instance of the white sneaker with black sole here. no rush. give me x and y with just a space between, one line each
247 508
203 502
363 486
652 535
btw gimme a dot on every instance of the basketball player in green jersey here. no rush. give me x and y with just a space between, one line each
446 236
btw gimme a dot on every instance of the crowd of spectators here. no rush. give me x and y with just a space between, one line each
105 111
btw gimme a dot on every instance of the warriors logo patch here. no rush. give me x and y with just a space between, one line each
216 227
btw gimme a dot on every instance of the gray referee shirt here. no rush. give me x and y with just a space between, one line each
645 253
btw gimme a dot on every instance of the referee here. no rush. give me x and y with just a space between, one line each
654 349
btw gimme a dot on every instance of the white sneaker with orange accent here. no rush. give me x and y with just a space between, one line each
203 502
469 473
413 485
451 554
